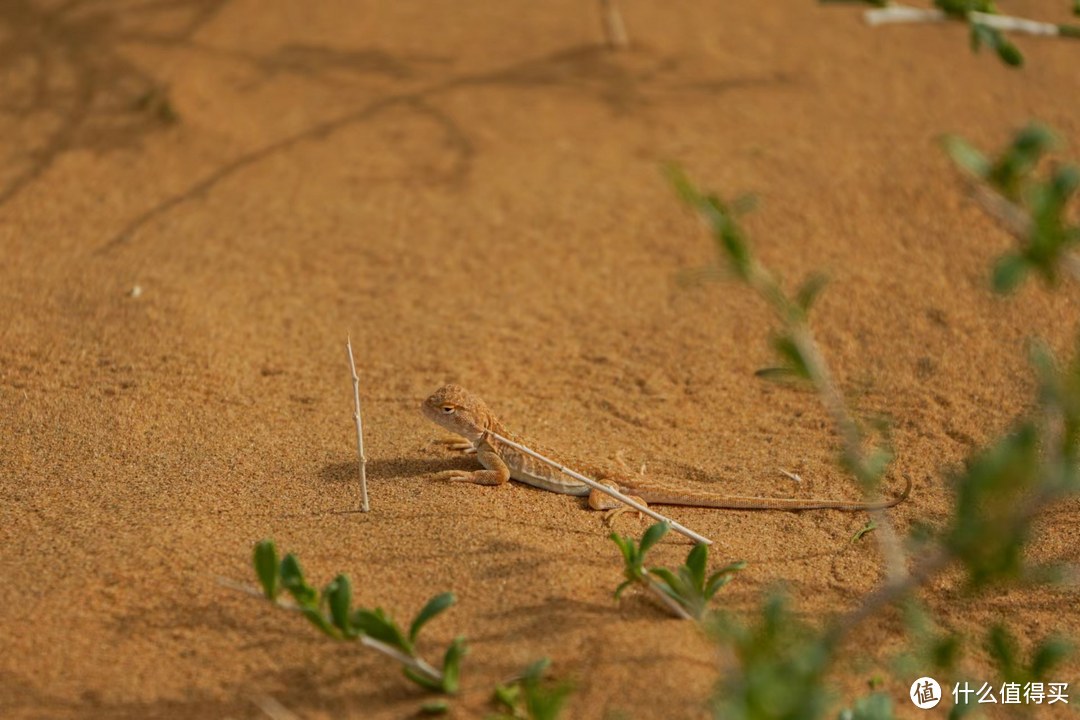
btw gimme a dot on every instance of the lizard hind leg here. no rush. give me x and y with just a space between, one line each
613 508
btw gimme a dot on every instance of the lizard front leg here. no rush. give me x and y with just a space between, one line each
496 472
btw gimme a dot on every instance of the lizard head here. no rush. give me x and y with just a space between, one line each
458 410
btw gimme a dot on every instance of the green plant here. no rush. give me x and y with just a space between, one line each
686 592
1001 491
529 697
1030 199
332 613
781 667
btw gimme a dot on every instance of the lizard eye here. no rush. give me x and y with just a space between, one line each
448 409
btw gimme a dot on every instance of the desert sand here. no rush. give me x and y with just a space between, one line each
201 199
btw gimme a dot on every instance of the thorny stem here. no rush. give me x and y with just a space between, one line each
359 429
416 663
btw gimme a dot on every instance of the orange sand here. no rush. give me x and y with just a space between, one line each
472 191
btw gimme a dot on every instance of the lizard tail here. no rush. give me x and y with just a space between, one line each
662 496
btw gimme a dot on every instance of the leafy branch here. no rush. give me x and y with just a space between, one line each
1001 491
799 353
1030 200
986 25
686 592
332 613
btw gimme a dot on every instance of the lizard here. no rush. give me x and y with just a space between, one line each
463 413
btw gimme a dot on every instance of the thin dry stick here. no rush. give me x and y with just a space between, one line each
273 709
414 662
1016 221
359 429
614 30
606 490
790 475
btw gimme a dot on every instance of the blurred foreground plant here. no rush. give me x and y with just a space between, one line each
781 663
1030 199
530 697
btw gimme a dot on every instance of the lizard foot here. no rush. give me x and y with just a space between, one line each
478 477
614 508
611 515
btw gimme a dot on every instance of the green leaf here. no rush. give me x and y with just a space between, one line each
377 625
292 578
542 702
626 547
994 39
338 595
696 561
435 707
319 620
1002 647
1009 272
786 347
682 185
1048 655
652 536
266 561
536 669
622 586
715 582
809 291
1009 53
870 526
452 665
966 156
422 680
722 577
508 695
434 606
1065 181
